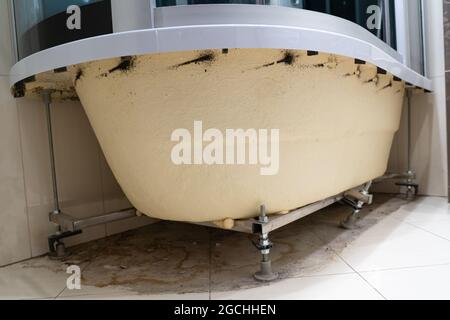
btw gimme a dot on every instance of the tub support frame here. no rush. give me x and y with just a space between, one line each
67 225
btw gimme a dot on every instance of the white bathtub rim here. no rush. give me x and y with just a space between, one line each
204 37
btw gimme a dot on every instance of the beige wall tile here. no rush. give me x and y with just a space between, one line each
78 169
113 195
14 236
429 136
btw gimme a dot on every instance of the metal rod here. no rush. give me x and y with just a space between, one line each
387 22
47 101
408 95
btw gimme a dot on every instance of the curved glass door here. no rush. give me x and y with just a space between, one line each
377 16
41 24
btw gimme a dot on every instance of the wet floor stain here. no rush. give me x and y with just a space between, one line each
166 257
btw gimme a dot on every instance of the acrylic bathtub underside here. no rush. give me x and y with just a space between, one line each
337 120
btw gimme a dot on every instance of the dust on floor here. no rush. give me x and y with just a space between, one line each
167 258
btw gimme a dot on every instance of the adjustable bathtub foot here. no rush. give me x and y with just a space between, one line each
266 273
57 248
350 222
360 198
412 189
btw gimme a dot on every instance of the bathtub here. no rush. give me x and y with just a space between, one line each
320 105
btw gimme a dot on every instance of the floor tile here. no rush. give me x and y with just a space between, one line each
391 244
394 250
93 293
382 241
296 252
424 210
427 283
335 287
37 278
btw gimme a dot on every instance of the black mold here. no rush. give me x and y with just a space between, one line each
78 76
358 61
204 58
225 51
126 64
29 79
312 53
18 90
289 59
397 79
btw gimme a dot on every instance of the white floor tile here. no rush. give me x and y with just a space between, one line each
93 293
394 244
38 279
424 210
412 284
336 287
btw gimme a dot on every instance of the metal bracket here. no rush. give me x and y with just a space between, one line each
57 247
72 224
361 198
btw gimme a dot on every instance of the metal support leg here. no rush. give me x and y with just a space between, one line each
56 245
265 274
412 188
350 222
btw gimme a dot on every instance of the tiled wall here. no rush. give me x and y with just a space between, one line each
14 232
86 184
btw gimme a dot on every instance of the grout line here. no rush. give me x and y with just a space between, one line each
82 270
359 274
422 229
406 268
85 267
348 264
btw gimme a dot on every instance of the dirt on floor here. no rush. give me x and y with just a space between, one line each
171 257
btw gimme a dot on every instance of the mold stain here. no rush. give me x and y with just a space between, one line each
78 76
18 90
206 57
126 64
288 59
